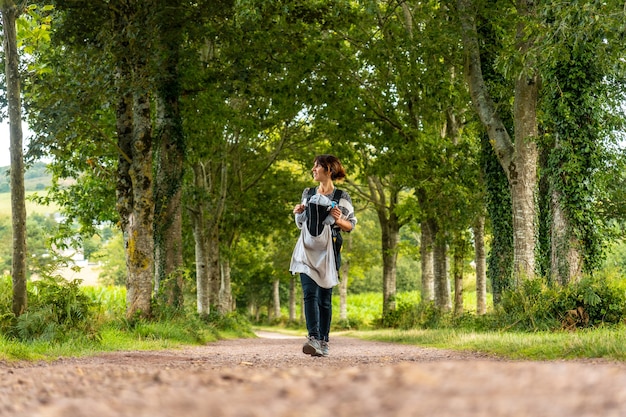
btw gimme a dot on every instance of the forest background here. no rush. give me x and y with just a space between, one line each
483 143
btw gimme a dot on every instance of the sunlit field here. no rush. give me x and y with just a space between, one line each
31 206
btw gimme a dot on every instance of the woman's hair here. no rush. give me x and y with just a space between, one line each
331 163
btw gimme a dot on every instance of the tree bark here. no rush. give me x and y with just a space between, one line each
140 249
292 299
442 283
10 14
225 304
199 227
390 238
135 197
276 298
481 265
427 262
168 280
214 271
459 256
565 257
522 174
170 151
343 283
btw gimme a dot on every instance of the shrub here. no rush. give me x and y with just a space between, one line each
535 306
528 307
58 310
601 300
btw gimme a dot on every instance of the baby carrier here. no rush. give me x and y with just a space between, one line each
316 216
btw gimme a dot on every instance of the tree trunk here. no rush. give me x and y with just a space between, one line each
519 160
225 304
124 186
214 271
135 198
427 262
140 249
168 281
390 238
390 241
565 257
169 160
522 174
442 283
198 224
481 265
343 283
276 298
208 206
459 256
292 299
10 14
500 256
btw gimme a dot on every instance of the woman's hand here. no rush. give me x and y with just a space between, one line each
299 208
343 224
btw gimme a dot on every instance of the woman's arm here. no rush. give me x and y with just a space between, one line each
344 224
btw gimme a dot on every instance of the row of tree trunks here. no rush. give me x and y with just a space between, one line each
206 215
434 263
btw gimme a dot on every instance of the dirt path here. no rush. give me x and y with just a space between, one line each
269 376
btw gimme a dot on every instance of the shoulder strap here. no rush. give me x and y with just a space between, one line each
337 195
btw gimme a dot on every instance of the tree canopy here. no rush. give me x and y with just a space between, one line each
192 126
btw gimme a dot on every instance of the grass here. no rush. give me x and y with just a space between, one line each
168 334
605 343
364 309
115 333
112 340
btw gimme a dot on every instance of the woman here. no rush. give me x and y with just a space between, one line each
322 213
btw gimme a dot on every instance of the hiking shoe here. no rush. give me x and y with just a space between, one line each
325 348
312 347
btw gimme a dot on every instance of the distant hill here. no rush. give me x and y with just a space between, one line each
36 178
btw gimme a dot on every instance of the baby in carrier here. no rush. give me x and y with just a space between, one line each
316 215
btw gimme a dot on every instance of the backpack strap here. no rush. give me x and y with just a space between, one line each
336 194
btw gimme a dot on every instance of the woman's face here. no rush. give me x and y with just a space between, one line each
319 173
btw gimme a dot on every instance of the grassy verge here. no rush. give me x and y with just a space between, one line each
66 320
605 343
145 336
602 343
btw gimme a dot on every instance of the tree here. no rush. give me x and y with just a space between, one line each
10 12
583 86
518 158
169 155
114 106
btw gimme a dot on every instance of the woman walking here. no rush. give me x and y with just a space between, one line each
324 212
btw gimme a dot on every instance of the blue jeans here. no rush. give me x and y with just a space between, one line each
318 307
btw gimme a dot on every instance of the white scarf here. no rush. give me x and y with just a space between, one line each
314 256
